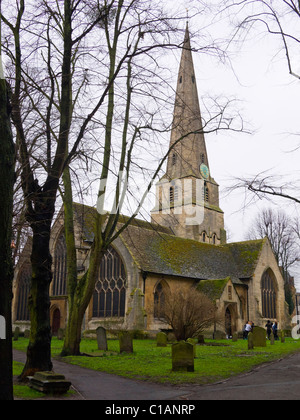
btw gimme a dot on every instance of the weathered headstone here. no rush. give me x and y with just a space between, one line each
161 339
101 339
219 335
60 334
250 341
235 337
16 334
201 339
282 336
272 339
183 357
259 337
126 342
26 333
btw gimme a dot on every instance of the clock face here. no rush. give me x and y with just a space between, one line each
204 171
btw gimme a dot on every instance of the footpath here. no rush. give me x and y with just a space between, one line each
279 380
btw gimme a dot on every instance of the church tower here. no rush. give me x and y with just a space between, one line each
187 197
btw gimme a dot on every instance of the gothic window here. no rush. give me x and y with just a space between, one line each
203 236
60 267
214 239
268 290
180 79
24 291
206 193
110 292
159 302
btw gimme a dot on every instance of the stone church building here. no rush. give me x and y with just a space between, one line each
183 245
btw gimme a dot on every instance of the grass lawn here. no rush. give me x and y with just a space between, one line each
150 363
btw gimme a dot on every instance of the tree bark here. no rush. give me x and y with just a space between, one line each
7 180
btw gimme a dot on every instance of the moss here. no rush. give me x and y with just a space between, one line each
213 288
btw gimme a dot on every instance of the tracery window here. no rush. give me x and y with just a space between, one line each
24 291
110 291
268 290
60 267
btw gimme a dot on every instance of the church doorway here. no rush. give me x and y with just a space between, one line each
55 321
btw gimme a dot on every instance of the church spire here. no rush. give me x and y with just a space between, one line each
188 155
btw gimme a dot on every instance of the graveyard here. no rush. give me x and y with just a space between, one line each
156 360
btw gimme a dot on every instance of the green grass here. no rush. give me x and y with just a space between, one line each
150 363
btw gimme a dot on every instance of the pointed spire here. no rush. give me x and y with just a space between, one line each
191 152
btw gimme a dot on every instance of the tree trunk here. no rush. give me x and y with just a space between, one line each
39 349
7 179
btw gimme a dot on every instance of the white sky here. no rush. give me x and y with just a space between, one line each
270 103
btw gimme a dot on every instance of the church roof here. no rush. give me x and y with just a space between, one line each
156 250
170 255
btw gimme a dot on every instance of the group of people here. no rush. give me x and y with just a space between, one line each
271 328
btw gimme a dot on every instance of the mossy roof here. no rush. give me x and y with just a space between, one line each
213 288
156 250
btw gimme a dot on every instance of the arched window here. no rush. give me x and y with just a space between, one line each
24 291
110 292
59 287
214 239
203 236
268 291
159 301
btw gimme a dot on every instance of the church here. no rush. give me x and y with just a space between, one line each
184 245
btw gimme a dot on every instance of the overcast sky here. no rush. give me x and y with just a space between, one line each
269 95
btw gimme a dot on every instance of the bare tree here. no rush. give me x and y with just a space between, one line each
188 311
280 21
7 180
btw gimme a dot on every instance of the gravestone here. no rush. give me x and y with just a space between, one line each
193 341
282 335
126 342
60 334
101 338
259 337
201 339
272 339
250 341
161 339
26 333
183 357
16 334
235 337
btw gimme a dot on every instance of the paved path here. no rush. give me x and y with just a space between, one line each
274 381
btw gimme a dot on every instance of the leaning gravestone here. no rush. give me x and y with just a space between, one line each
161 339
101 339
259 337
126 342
183 357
